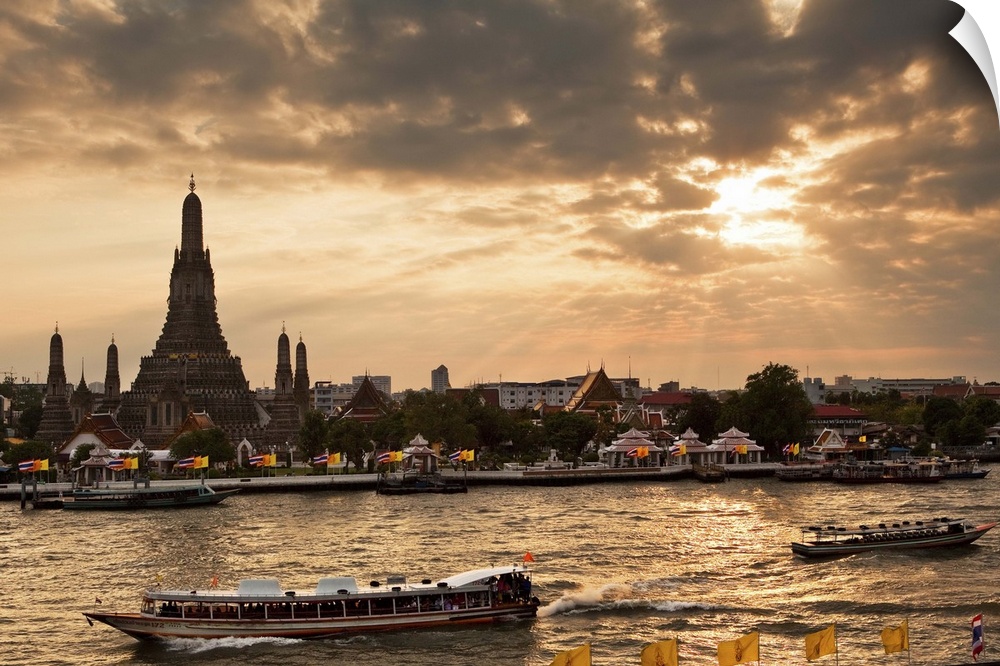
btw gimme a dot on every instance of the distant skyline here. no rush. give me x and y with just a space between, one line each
516 189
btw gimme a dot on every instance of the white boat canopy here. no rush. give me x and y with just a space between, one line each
469 577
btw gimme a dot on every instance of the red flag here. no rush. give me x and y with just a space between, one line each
528 557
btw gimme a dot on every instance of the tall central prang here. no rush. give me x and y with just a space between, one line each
191 367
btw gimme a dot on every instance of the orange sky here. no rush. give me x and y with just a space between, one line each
516 189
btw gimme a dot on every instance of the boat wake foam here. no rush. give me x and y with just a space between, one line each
613 597
198 645
587 598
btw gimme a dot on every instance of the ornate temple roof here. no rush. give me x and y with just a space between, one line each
595 391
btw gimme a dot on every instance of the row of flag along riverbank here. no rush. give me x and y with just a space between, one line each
746 648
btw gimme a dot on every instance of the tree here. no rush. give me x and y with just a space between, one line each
438 418
80 454
774 408
314 435
351 438
493 424
31 450
211 442
568 433
983 409
31 418
965 432
702 416
939 411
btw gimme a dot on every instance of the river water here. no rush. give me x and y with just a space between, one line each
616 565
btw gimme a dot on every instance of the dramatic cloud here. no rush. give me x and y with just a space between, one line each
513 188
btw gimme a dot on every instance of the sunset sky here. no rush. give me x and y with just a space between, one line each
516 189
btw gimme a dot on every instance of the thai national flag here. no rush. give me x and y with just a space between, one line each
321 459
787 449
384 458
456 456
633 452
256 461
116 464
977 636
26 466
185 463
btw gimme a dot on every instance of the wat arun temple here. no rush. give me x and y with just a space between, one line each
191 370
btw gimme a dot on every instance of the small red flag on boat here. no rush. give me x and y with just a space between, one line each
528 557
214 582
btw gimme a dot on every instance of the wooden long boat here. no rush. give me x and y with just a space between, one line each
837 541
710 473
412 483
262 608
145 498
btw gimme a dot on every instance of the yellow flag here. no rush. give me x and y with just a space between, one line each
821 643
42 465
663 653
743 649
396 456
470 456
684 449
896 639
863 438
201 462
333 459
131 463
795 449
576 657
272 460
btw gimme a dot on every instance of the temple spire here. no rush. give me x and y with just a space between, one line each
192 244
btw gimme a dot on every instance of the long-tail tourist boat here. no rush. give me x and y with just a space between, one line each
145 498
835 541
262 608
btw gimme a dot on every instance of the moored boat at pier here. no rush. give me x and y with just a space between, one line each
804 472
890 471
156 497
963 469
836 541
338 605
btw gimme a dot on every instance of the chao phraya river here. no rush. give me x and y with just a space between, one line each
617 565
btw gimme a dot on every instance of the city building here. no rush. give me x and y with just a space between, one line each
439 380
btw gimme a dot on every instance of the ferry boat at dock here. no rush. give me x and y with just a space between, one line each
157 497
889 471
337 606
838 541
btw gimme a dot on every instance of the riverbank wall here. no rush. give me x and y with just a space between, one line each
368 482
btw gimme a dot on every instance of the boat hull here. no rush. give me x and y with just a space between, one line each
835 549
145 501
160 628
